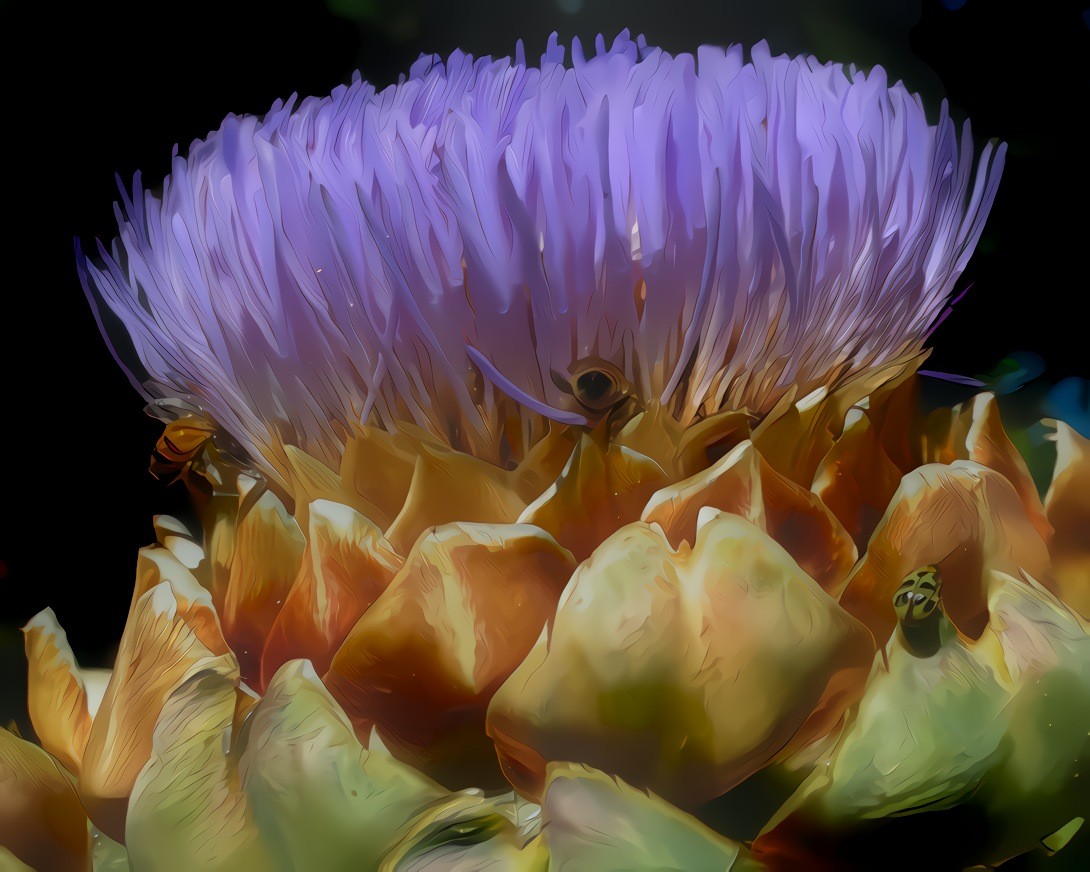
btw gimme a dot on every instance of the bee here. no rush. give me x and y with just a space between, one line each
919 595
918 603
196 452
598 390
596 384
182 444
602 392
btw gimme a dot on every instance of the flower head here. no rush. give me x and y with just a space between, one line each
583 446
487 246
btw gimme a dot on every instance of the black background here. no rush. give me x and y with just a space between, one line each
100 89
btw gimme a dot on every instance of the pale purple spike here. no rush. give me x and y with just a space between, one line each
443 251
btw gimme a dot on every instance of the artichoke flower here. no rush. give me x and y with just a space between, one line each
556 445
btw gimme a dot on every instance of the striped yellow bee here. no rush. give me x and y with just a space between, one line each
195 451
919 595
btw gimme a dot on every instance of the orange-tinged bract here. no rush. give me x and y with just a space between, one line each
423 662
268 549
1068 506
346 566
965 519
742 483
974 431
600 490
171 636
41 822
57 698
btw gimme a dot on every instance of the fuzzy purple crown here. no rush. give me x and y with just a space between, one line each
438 251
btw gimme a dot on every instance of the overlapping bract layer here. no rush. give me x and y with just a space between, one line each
684 655
445 250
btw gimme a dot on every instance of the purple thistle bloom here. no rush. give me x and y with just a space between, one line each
446 251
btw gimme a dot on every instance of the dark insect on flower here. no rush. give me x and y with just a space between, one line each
199 454
919 595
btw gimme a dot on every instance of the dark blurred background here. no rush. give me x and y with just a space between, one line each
106 88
